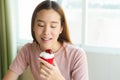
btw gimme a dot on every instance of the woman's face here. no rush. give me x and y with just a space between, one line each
47 28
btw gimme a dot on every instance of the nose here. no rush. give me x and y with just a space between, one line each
46 30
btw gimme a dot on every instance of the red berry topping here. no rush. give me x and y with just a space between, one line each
48 51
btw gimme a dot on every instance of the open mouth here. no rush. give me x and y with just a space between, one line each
46 39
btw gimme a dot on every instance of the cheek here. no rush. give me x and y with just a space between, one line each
38 32
55 34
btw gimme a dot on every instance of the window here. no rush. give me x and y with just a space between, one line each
25 10
94 23
103 23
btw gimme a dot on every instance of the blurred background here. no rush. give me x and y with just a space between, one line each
94 25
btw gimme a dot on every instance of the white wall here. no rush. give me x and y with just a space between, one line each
103 66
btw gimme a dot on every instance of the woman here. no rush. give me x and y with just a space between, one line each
49 31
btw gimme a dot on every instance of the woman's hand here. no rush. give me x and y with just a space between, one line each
50 72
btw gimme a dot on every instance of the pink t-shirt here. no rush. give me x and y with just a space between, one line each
71 61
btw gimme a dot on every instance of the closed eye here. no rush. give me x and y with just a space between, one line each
40 25
53 26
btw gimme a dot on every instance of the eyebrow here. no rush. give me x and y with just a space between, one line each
44 21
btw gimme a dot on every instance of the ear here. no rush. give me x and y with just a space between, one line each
61 29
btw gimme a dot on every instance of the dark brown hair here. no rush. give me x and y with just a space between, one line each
64 36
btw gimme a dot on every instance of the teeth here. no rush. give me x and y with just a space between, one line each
45 39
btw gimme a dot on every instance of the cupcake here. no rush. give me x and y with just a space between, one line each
47 55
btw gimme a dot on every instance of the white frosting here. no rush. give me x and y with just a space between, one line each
46 55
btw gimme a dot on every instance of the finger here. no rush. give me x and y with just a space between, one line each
46 64
43 73
43 61
45 68
43 76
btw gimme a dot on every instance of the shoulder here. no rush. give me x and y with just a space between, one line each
74 52
29 45
73 48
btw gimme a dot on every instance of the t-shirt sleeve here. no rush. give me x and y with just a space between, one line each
20 63
80 66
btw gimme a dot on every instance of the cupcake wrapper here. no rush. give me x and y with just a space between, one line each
48 60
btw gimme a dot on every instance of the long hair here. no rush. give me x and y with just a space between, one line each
64 36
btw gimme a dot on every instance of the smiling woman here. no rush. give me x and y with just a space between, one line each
72 11
50 31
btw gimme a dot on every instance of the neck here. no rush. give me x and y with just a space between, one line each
57 47
54 48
